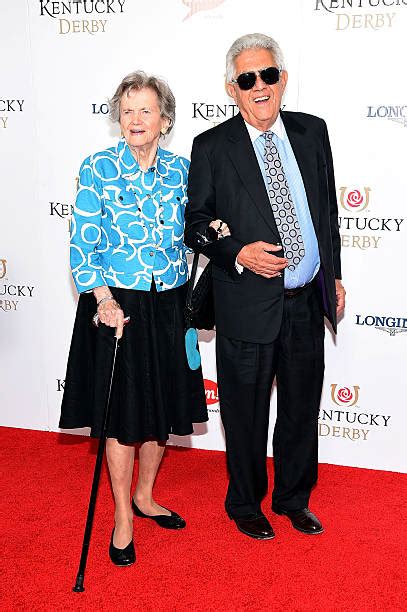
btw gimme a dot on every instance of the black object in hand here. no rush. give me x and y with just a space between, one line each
208 236
199 307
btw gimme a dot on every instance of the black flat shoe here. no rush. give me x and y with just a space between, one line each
255 526
122 556
303 520
174 521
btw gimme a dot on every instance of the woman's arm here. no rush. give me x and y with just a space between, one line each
86 231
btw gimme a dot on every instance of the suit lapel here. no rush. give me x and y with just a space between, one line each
304 151
244 159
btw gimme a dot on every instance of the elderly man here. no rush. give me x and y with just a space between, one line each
269 175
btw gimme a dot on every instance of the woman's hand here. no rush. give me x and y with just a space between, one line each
221 228
109 310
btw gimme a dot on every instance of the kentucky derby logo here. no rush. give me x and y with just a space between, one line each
213 112
354 16
344 396
81 16
349 425
200 5
9 292
211 392
3 268
353 199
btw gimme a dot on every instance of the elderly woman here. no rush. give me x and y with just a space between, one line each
128 259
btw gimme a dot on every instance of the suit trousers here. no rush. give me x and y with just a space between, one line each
246 372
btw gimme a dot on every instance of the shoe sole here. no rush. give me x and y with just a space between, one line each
256 537
170 528
123 564
309 532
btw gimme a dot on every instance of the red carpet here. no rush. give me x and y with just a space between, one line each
357 564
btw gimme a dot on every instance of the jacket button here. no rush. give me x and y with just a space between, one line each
151 253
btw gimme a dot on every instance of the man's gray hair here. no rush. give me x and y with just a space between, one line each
252 41
135 81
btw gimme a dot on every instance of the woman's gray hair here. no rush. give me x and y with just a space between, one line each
252 41
135 81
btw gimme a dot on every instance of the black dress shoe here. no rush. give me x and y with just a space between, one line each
303 520
122 556
254 525
174 521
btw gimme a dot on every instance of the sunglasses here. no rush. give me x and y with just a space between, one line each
246 80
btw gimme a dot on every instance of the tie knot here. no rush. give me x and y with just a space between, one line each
268 136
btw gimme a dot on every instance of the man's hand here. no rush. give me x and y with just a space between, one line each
340 297
221 228
258 257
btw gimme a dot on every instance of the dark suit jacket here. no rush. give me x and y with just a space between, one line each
225 182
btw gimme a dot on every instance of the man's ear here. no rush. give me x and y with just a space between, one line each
283 80
230 90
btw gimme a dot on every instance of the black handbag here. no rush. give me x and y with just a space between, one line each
199 308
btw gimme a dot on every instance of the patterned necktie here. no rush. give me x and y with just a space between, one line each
282 204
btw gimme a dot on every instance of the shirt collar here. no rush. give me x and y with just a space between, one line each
129 165
277 127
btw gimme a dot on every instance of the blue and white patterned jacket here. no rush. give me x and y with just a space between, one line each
128 225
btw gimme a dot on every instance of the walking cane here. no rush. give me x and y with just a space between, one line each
79 588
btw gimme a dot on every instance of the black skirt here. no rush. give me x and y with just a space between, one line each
154 392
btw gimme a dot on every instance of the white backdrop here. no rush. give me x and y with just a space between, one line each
60 63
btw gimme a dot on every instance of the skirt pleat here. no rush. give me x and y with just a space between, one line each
154 392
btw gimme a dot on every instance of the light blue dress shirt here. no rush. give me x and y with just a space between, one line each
306 270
